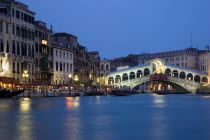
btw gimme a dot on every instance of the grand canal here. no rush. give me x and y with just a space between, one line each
146 117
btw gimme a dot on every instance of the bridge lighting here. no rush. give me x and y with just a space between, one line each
140 75
189 78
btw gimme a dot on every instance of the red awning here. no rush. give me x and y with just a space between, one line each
8 80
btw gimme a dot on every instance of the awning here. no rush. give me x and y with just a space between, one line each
45 59
8 80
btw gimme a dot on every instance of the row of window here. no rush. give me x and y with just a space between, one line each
19 67
105 67
65 67
22 16
19 48
41 35
4 26
23 32
64 54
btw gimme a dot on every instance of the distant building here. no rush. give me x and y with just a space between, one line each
94 64
62 65
187 58
104 70
130 60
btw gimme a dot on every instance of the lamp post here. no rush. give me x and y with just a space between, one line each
76 78
25 75
70 84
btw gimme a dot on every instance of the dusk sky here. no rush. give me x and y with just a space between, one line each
117 28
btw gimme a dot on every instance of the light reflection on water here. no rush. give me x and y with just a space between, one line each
135 117
24 124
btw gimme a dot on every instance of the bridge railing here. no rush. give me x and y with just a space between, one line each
184 81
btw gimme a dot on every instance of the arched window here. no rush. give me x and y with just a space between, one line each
2 46
182 75
197 78
107 67
132 75
146 72
168 71
205 80
117 79
125 77
18 48
189 76
102 66
175 73
139 74
7 49
13 48
110 80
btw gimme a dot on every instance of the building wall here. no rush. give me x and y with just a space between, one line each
43 52
62 65
104 70
20 37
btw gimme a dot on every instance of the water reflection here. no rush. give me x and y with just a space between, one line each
72 102
159 101
24 122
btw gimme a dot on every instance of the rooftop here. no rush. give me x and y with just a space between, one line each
64 34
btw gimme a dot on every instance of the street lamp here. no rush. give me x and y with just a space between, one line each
76 78
25 75
70 84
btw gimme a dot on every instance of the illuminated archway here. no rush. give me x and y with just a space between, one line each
146 72
197 78
125 77
132 75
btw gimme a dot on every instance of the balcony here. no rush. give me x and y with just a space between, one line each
4 16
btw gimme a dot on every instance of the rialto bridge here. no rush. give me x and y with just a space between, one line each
182 79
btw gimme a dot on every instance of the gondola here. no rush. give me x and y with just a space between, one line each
15 93
4 93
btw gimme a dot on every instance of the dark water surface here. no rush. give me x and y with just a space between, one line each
137 117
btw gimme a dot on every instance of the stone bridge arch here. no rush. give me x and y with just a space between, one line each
181 85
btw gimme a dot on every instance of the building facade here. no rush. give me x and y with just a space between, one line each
104 70
17 41
43 53
63 65
130 61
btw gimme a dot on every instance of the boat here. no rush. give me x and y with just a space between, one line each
14 93
123 92
4 93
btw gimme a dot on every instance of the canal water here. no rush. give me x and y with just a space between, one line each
136 117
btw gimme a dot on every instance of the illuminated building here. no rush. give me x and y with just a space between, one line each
16 40
43 53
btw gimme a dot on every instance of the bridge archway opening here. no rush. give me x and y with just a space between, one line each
157 67
189 76
139 74
132 75
146 72
205 80
175 73
117 79
125 77
197 78
111 80
166 85
168 71
182 75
